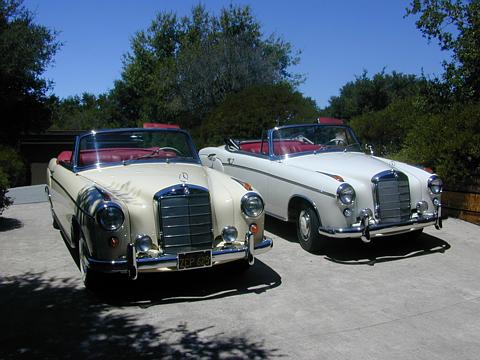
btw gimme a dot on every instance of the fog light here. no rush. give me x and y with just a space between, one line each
436 202
422 207
347 212
143 243
229 234
366 213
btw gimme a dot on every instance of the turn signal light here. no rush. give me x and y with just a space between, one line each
253 228
247 186
113 242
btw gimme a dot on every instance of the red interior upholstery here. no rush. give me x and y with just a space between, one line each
64 156
254 147
89 157
280 147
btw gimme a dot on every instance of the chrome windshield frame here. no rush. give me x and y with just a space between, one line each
272 155
76 152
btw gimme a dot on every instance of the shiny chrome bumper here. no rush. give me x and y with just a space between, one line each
133 265
369 230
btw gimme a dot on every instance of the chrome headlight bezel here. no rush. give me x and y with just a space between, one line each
110 216
435 184
252 205
346 194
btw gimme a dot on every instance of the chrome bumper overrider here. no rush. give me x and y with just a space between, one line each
368 230
133 265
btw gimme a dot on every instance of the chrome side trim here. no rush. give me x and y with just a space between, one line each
282 179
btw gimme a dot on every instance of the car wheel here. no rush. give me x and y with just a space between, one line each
89 277
307 229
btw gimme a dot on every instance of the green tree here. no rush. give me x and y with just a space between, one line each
369 94
179 69
455 24
387 129
27 49
448 142
246 114
85 112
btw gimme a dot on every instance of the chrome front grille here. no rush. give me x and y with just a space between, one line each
185 219
391 196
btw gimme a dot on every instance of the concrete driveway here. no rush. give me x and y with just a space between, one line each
391 299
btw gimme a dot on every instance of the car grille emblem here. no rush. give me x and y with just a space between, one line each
186 190
183 177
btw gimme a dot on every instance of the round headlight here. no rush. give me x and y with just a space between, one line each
229 234
110 217
252 205
346 194
435 184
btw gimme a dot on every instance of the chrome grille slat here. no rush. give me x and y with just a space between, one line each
392 197
185 219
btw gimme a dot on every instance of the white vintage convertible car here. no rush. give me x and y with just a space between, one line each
317 176
139 200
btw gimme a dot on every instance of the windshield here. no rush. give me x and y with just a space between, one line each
313 138
135 145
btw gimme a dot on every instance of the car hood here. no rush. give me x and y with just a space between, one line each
349 165
136 182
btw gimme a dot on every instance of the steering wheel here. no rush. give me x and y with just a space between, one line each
169 148
303 139
337 141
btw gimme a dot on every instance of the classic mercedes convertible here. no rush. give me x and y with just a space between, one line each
139 200
317 176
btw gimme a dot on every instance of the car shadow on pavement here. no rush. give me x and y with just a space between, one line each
355 252
7 224
53 318
188 286
184 286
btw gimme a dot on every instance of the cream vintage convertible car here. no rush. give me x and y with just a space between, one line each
139 200
317 176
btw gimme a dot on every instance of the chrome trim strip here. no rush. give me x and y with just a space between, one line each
169 261
282 179
375 229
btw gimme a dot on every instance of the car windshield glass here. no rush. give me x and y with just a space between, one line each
313 138
135 145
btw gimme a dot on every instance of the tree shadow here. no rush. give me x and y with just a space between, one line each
53 318
190 286
7 224
352 251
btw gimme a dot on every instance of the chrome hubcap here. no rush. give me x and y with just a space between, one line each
304 225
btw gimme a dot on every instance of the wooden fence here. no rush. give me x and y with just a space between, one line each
464 205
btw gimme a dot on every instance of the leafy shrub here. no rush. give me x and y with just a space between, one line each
5 201
387 129
448 142
12 173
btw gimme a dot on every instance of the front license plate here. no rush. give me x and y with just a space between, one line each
194 260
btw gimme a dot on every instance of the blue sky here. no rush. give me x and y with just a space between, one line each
337 39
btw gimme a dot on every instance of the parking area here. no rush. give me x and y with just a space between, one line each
393 298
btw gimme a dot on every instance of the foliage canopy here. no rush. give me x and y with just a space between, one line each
27 49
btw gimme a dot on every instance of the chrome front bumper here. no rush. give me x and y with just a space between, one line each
133 265
367 230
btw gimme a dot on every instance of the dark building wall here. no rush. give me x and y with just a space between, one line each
38 149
